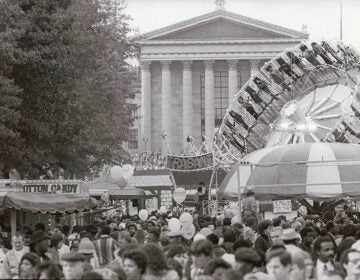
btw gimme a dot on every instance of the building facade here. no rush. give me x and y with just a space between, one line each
191 70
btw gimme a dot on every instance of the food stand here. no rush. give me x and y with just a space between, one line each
25 199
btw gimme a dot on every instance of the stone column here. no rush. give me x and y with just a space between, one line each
145 106
187 102
166 105
254 66
233 81
209 101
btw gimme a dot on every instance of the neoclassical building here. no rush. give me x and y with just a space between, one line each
191 70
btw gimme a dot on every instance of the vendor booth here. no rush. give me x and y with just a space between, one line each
25 200
190 171
106 187
316 171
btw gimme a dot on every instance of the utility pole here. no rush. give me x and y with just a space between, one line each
341 20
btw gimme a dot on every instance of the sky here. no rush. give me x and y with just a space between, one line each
322 17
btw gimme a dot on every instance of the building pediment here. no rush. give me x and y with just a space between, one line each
221 25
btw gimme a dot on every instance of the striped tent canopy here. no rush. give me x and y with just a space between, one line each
317 171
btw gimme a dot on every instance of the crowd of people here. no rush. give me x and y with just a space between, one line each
223 248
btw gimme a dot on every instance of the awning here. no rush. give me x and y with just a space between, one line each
46 202
107 184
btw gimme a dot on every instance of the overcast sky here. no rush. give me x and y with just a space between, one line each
322 17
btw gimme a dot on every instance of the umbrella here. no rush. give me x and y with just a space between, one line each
310 170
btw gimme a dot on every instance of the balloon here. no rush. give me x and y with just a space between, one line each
186 220
228 213
174 224
179 195
116 172
189 232
235 220
198 236
143 214
122 183
127 171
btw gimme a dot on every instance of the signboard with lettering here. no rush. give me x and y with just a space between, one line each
282 206
190 163
69 188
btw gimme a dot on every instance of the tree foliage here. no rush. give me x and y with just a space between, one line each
68 85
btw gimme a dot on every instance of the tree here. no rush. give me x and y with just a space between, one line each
76 87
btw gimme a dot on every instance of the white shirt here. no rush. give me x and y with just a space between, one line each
320 268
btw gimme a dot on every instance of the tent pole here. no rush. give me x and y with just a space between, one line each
209 194
13 221
239 192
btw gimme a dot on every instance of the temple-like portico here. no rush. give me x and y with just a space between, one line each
191 70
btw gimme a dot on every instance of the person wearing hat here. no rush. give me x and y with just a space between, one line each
87 249
72 264
39 244
250 207
291 241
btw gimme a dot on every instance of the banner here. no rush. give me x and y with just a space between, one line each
282 206
52 188
190 163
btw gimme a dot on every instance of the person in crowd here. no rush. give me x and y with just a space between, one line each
325 249
72 264
249 205
347 241
3 251
246 259
105 246
307 239
178 253
39 244
275 235
56 241
13 257
40 227
48 271
350 262
291 240
134 264
201 251
216 268
332 229
152 236
87 249
229 239
279 264
27 266
198 198
263 242
157 266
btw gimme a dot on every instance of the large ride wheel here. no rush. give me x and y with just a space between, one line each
308 93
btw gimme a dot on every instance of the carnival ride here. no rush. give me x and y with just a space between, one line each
308 96
309 93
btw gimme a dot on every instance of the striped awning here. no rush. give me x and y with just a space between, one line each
310 170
